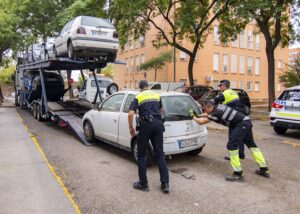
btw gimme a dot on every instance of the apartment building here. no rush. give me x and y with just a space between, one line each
294 53
242 61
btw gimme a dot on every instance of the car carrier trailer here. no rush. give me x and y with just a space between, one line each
64 112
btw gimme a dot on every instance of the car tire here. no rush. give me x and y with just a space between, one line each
195 152
112 88
280 130
149 154
71 53
247 110
88 131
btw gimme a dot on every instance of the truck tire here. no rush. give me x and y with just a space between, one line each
195 152
88 131
149 154
280 130
112 88
71 53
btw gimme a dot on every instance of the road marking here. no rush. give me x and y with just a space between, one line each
51 168
291 143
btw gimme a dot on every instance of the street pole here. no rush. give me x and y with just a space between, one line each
174 49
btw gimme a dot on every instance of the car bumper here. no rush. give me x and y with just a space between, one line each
173 146
286 123
99 46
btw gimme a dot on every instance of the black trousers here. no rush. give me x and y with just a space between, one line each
241 134
241 145
152 131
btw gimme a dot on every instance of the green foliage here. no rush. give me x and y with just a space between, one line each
157 63
6 74
292 76
108 71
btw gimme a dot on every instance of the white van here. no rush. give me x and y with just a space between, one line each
89 88
165 86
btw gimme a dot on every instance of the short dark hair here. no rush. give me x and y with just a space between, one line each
143 84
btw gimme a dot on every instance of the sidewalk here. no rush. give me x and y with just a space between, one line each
26 183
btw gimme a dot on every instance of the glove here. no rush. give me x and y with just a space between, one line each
192 113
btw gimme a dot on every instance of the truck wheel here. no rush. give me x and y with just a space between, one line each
280 130
34 110
39 113
195 152
149 154
112 88
88 131
71 54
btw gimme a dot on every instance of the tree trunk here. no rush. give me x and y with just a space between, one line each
271 76
1 96
190 69
155 73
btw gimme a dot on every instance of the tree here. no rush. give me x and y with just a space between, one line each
273 18
157 63
108 71
186 20
291 77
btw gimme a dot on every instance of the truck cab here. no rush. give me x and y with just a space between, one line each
89 88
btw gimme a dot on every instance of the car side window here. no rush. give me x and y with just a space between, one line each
129 100
113 103
156 87
64 29
70 24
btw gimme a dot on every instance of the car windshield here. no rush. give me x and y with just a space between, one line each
290 95
210 94
102 83
96 22
177 107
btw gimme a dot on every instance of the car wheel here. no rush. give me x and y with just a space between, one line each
34 110
280 130
88 131
247 109
149 154
54 53
112 88
195 152
71 54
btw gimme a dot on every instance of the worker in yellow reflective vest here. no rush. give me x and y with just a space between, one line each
230 98
241 132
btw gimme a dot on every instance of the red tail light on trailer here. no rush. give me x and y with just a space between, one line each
115 34
276 105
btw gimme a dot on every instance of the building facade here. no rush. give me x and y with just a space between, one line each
242 61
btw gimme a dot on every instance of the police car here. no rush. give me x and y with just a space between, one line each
285 113
109 123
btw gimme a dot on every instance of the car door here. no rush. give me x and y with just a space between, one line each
65 38
59 40
124 135
107 119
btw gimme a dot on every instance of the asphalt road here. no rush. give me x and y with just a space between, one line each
100 177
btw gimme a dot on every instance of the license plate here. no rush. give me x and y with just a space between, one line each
94 32
188 143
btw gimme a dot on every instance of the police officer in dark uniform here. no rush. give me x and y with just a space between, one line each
230 98
149 107
241 133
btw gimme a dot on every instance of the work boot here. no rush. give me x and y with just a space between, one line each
227 157
165 187
139 186
263 172
236 176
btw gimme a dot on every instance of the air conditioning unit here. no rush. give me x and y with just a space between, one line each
209 78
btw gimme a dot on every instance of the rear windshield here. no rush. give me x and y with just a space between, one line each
210 94
102 83
177 107
96 22
293 95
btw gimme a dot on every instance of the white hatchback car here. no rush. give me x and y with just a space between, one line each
87 37
285 113
109 123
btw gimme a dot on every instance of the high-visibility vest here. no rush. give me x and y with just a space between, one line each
229 96
147 96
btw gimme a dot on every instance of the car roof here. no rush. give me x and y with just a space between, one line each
160 92
297 87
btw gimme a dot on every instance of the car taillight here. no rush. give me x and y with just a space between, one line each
81 30
115 34
276 105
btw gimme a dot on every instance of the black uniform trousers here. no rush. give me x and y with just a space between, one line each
241 134
152 131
